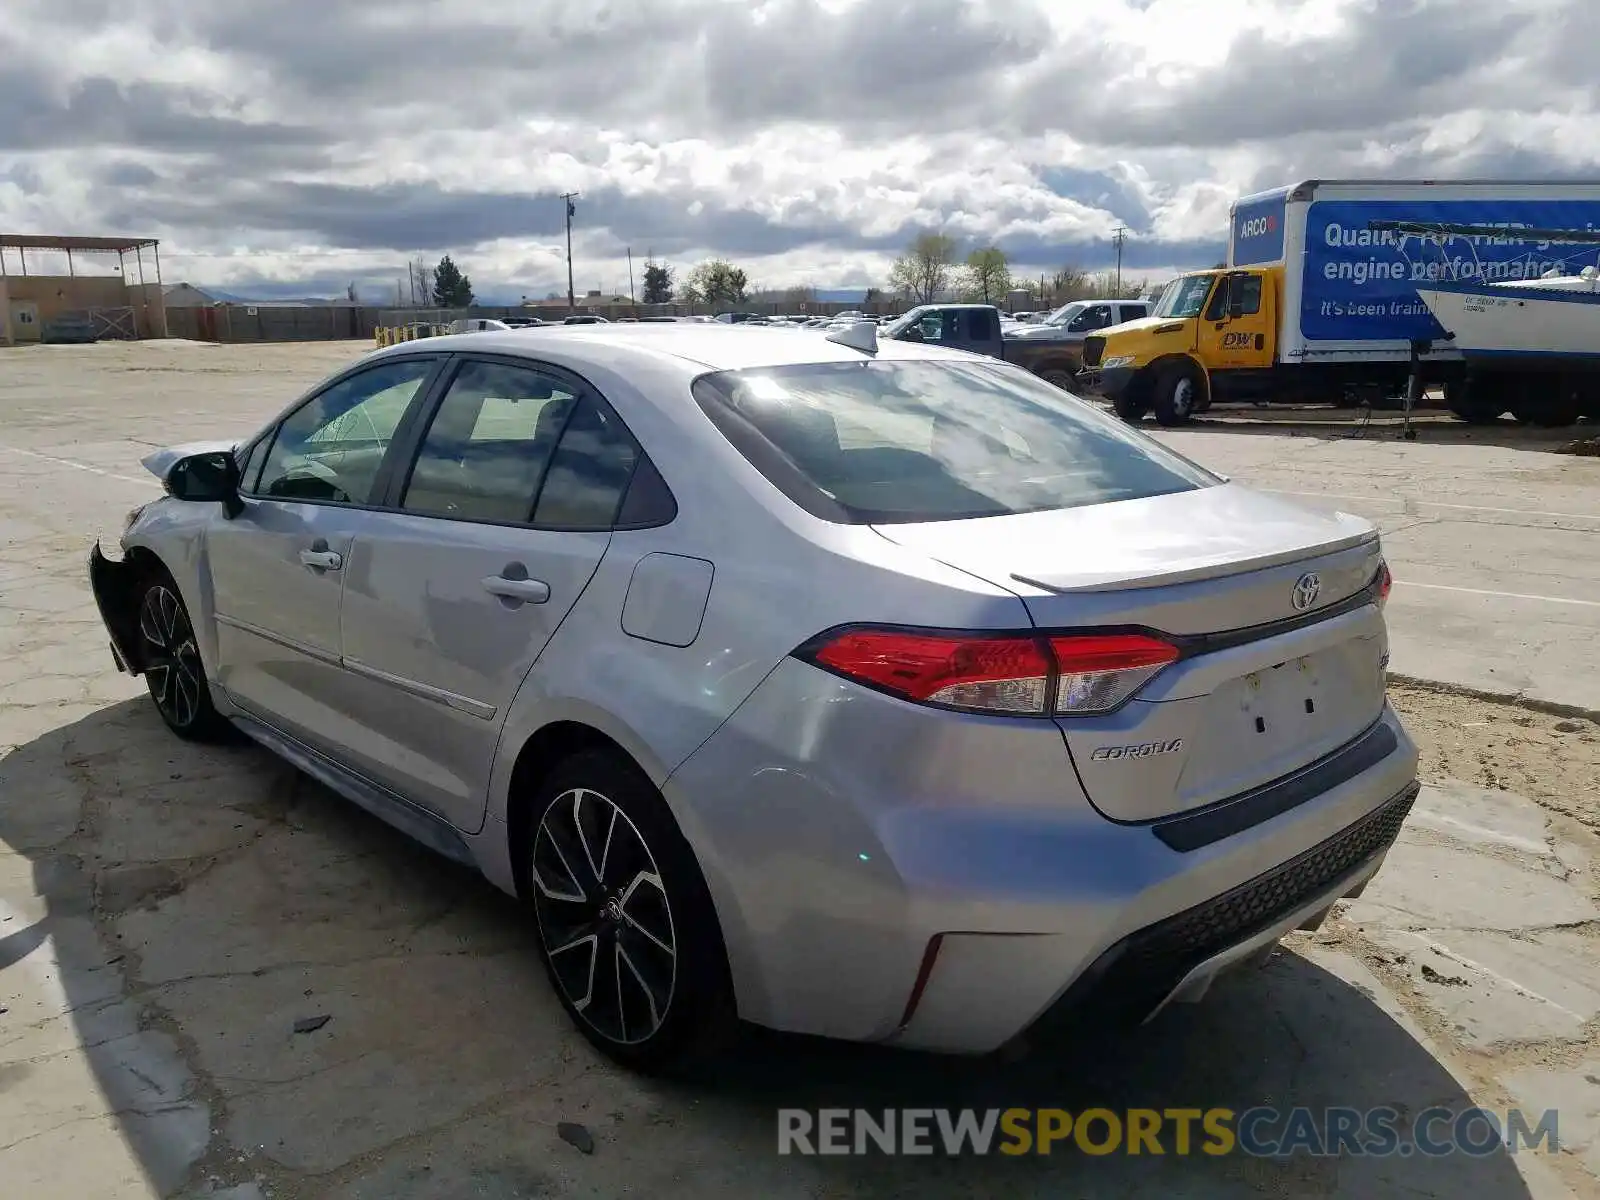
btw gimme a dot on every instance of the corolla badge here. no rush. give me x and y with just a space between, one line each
1306 590
1137 750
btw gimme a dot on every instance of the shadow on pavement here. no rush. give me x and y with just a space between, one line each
1352 425
202 901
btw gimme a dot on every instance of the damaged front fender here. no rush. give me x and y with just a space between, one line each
117 587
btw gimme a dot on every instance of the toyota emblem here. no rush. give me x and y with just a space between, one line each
1306 590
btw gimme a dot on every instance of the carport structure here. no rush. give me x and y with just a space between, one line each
93 305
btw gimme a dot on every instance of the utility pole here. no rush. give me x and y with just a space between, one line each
1117 239
632 299
572 211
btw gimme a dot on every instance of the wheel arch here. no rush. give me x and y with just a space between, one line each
539 755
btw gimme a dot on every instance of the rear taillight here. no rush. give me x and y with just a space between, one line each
1020 675
1097 673
1385 583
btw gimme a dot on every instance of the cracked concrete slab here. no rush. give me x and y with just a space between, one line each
168 913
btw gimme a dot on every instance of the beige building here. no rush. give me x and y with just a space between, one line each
125 305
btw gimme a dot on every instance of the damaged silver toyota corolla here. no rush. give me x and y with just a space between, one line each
874 691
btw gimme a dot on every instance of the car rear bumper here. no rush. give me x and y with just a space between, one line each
116 594
886 872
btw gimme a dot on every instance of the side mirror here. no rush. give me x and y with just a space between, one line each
207 478
1235 286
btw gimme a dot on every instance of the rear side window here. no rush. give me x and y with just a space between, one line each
590 472
882 442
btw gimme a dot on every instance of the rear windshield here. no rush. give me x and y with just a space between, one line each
884 442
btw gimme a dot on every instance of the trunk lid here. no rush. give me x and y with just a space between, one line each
1265 685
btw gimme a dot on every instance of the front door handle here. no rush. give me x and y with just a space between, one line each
514 587
320 558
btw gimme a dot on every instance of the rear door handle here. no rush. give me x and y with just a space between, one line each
321 560
520 591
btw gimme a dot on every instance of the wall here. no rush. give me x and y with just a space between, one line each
265 323
72 295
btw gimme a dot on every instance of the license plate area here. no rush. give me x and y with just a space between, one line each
1268 722
1287 704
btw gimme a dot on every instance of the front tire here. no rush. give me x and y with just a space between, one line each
1179 391
173 672
627 930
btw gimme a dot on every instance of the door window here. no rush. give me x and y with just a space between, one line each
489 444
1248 287
330 448
1096 316
1132 312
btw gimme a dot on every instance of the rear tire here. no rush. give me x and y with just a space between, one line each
173 671
1130 405
1179 389
1059 376
1550 411
627 929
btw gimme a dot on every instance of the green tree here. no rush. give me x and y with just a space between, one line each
923 271
988 275
716 282
451 289
657 282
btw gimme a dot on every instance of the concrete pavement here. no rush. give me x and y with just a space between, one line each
169 914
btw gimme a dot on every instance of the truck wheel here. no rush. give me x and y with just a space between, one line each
1549 411
1060 376
1179 389
1480 400
1131 405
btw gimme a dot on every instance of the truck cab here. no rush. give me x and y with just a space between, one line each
972 327
1212 334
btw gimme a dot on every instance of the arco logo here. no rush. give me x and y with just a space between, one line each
1258 226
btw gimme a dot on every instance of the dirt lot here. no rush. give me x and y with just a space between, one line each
169 914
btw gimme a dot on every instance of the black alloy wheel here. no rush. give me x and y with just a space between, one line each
604 917
173 671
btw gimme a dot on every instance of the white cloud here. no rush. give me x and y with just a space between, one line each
806 139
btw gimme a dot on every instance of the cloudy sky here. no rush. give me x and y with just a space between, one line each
291 146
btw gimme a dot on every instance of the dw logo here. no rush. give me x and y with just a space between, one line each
1237 341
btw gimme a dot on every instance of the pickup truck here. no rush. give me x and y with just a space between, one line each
1053 351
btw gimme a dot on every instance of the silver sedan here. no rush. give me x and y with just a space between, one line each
881 692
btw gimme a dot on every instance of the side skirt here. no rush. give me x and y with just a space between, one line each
433 832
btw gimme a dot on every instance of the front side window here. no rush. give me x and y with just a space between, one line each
330 448
901 441
1096 316
1248 288
489 444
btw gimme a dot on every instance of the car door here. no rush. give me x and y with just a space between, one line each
277 567
451 595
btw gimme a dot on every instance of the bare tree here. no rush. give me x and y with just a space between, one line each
1067 284
923 272
421 282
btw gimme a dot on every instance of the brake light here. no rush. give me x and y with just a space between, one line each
1011 674
994 674
1385 583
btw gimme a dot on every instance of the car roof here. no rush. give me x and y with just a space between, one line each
714 346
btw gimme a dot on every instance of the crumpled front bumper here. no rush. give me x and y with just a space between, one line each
116 594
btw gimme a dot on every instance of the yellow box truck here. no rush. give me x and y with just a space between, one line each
1318 302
